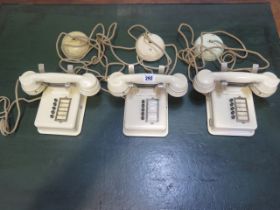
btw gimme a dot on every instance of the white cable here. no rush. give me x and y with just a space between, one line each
97 42
169 65
8 106
230 55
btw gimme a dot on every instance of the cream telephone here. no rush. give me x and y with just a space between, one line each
229 103
62 106
146 101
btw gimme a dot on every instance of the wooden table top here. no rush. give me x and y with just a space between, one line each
275 4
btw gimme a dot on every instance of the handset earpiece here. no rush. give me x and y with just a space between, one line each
30 86
204 81
179 86
116 85
150 47
89 85
267 86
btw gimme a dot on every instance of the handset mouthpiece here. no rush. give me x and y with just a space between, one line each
267 87
29 85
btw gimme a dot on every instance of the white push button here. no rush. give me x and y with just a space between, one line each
152 110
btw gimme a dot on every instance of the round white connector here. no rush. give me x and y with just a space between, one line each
151 48
209 47
75 45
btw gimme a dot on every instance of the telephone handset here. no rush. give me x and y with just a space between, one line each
146 101
229 103
63 101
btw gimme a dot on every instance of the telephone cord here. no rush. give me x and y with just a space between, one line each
169 68
230 55
8 106
96 40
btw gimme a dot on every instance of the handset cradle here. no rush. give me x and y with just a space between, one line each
146 100
62 106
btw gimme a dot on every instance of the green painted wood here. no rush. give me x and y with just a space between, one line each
103 169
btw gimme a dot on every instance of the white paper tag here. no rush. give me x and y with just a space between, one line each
149 78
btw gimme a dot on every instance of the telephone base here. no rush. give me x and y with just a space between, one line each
231 112
146 112
229 132
52 122
140 133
